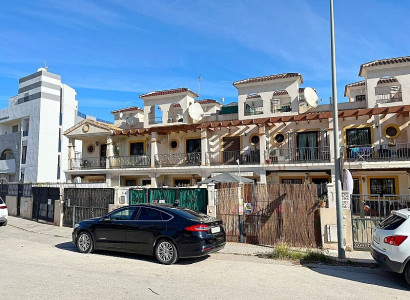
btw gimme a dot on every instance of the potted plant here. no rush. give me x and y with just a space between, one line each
323 201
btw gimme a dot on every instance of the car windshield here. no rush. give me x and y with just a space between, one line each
190 214
1 201
391 222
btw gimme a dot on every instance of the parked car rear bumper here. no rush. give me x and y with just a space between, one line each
202 250
385 262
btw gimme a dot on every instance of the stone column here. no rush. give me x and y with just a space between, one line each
110 151
71 152
262 177
204 147
153 180
262 146
211 207
154 148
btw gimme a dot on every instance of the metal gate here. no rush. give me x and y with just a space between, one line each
4 187
192 198
43 202
368 211
85 203
138 196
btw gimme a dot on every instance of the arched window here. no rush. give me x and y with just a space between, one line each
6 154
388 89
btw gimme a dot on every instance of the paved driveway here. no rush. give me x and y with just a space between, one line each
39 261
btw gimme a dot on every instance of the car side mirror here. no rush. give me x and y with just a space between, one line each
105 219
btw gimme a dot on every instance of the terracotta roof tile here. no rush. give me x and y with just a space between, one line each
207 101
167 92
386 61
132 108
267 78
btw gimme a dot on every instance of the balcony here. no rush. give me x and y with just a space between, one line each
156 120
88 163
388 98
251 111
7 166
134 161
281 108
298 155
384 152
178 159
250 157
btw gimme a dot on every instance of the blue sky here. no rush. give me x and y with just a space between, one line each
111 51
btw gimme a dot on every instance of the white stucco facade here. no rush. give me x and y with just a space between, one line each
39 114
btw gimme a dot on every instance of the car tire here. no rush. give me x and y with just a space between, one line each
4 223
166 252
407 273
85 242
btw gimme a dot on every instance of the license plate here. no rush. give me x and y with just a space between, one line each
215 229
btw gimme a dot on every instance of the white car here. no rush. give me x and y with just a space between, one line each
391 243
4 213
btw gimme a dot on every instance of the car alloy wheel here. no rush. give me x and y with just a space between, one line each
407 273
166 252
84 242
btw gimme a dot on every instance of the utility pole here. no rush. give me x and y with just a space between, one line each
338 181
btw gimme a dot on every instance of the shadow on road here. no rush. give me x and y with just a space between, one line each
364 275
68 246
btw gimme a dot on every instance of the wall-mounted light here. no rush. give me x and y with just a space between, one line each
363 178
96 143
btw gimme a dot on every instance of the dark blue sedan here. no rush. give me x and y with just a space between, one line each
165 231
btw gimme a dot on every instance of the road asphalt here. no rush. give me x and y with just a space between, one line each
38 261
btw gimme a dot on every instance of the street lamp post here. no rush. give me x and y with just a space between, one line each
240 205
338 174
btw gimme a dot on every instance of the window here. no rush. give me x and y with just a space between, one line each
173 144
382 186
291 181
15 128
166 217
193 146
137 148
24 155
90 148
6 154
391 222
279 138
361 98
254 139
182 182
146 182
130 182
358 136
123 214
391 131
148 214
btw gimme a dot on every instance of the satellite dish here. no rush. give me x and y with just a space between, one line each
121 115
311 97
131 121
195 111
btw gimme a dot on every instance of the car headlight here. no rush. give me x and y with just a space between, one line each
76 225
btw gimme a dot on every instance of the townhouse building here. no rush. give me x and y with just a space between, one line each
275 133
32 145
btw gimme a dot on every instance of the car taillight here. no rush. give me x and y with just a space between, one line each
395 240
198 227
3 206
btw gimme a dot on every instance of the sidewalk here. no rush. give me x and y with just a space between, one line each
230 248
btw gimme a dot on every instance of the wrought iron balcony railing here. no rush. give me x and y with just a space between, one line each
133 161
383 152
178 159
88 163
298 155
233 157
